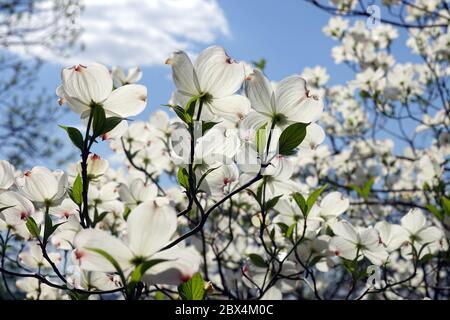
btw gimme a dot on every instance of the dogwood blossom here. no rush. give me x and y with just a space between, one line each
82 86
216 77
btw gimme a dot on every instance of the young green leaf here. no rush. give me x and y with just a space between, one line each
182 114
301 203
110 124
98 120
32 227
257 260
290 231
126 213
272 202
365 190
75 136
190 106
261 138
312 198
183 178
140 270
291 138
435 211
445 205
207 125
260 64
77 191
194 289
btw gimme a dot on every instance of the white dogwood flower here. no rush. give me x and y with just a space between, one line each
150 226
351 243
43 186
84 86
420 234
288 102
216 77
17 208
133 75
96 166
137 192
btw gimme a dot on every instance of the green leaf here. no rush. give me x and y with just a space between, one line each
98 120
290 231
183 178
194 289
140 270
126 213
49 228
207 125
77 191
111 260
110 124
435 211
301 203
364 94
283 227
291 138
75 136
48 224
205 175
260 64
33 228
365 190
261 138
190 106
257 260
272 202
98 217
259 191
445 205
367 187
312 198
182 114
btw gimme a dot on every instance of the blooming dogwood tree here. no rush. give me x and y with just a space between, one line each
276 189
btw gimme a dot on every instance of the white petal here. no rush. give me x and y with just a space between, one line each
253 121
377 257
414 221
91 83
289 93
343 248
369 237
126 101
430 234
182 264
346 231
259 90
39 184
217 73
6 175
87 259
314 136
150 227
183 73
233 108
334 204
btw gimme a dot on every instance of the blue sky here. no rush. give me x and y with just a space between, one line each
287 33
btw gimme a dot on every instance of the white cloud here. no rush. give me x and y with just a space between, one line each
138 32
